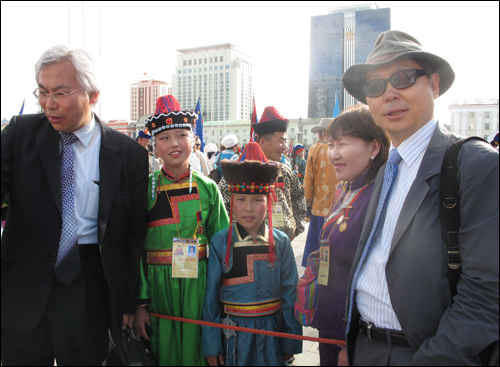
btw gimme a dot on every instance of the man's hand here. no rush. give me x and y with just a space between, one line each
141 319
127 320
343 358
286 357
212 361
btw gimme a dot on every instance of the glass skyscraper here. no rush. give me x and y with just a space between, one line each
342 38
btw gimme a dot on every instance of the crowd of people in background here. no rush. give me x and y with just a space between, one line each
101 231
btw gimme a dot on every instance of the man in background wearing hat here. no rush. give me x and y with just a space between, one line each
231 146
320 182
401 310
72 243
271 135
154 163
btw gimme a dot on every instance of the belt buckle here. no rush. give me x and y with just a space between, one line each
369 330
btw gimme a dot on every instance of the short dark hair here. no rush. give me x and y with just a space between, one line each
358 121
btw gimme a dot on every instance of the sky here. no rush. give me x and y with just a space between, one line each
136 37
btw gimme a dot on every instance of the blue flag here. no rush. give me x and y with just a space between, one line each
336 110
199 126
22 107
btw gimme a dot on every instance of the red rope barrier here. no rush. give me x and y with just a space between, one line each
248 330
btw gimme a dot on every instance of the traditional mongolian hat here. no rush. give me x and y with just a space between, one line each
252 174
210 148
270 122
169 115
391 46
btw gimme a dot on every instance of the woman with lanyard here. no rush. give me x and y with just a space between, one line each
357 148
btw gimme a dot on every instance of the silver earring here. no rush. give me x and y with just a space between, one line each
372 158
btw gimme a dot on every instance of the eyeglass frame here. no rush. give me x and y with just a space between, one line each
52 95
418 73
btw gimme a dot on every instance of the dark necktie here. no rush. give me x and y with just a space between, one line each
68 258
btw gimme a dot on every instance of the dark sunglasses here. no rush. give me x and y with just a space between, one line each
401 80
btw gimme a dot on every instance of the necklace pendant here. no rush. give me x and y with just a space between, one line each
199 228
341 219
343 227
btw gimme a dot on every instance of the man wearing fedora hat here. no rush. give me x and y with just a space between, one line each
320 181
400 309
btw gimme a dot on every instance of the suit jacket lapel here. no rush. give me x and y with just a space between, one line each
48 147
430 166
109 167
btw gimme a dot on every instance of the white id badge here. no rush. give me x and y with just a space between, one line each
278 219
185 258
324 261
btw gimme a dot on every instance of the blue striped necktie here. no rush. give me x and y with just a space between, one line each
67 266
391 171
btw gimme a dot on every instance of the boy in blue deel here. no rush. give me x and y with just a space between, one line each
252 275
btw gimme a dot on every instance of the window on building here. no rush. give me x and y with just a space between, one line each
199 61
211 59
205 60
472 115
487 115
190 62
227 66
215 59
305 141
195 61
293 131
215 67
305 131
184 63
486 126
221 58
471 126
179 72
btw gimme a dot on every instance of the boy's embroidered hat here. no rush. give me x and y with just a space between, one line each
252 174
270 122
169 115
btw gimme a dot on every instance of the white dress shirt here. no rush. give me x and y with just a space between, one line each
372 297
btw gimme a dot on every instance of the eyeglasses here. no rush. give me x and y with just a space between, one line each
58 96
401 80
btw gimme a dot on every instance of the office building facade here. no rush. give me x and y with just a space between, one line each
218 74
144 94
478 117
340 39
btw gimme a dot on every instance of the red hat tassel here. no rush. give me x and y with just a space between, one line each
272 254
229 237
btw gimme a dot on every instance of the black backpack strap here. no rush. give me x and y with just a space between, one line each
450 210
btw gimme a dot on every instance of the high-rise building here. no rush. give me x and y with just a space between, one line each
340 39
477 117
220 75
144 94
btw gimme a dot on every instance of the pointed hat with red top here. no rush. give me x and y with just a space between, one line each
270 122
252 174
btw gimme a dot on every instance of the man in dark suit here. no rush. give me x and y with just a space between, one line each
400 309
72 243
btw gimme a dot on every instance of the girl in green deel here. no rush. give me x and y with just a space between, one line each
184 208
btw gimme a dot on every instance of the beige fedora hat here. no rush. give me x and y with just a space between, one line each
391 46
322 125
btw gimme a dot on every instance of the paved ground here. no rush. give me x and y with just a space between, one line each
310 352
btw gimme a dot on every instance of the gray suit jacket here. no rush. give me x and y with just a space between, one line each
442 330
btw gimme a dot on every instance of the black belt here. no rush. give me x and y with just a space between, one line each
384 335
87 249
